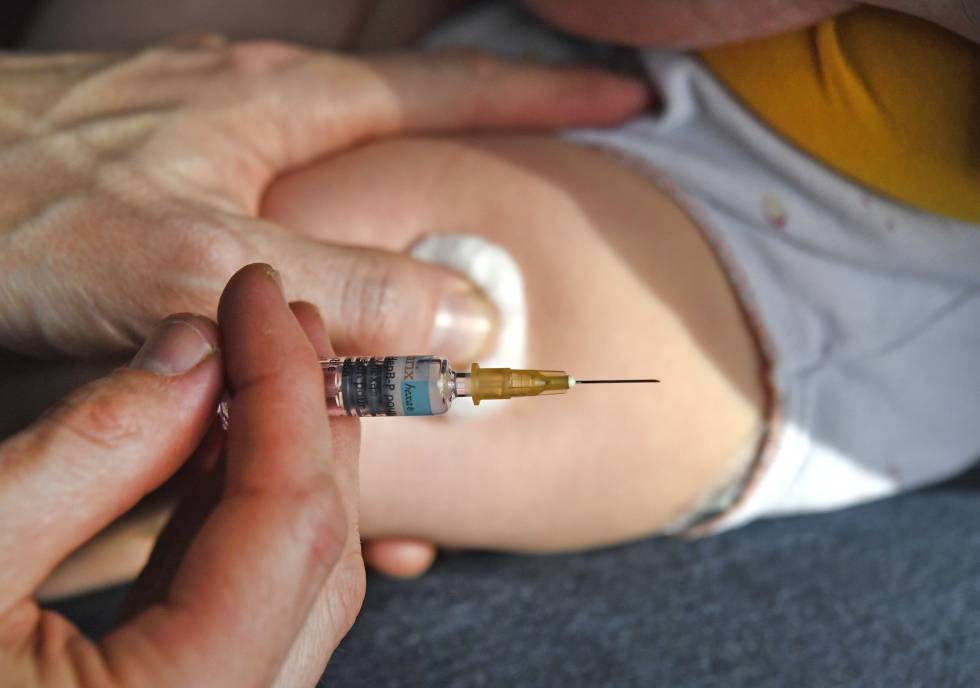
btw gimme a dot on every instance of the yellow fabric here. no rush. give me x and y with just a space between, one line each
888 100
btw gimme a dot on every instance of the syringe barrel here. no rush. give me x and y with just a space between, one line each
388 386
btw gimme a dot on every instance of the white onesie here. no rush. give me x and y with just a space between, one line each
868 310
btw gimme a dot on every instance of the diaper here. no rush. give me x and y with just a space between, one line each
868 311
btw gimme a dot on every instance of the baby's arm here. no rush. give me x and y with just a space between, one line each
619 283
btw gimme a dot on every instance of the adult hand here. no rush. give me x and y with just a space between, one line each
132 182
259 575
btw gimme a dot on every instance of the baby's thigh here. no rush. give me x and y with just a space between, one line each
619 283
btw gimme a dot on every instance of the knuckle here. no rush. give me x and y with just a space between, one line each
326 525
180 54
482 77
101 415
260 57
210 248
198 41
475 62
484 66
200 256
369 298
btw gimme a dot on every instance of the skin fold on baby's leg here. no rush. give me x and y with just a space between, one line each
619 282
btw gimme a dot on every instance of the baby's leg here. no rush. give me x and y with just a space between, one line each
619 282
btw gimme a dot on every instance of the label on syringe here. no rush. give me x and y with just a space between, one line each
414 389
392 386
407 385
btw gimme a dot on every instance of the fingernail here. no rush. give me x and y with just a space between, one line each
274 274
465 326
174 347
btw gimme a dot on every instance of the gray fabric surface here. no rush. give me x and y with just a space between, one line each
886 594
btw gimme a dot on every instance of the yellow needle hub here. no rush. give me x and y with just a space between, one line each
504 383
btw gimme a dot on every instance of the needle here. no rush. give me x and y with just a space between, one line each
610 382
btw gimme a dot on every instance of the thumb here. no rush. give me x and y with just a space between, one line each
378 302
103 448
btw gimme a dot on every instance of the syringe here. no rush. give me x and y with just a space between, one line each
427 385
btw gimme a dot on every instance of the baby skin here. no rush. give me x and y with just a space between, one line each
619 283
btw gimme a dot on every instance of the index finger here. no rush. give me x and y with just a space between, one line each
330 101
253 571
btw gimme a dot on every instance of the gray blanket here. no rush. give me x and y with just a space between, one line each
886 594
